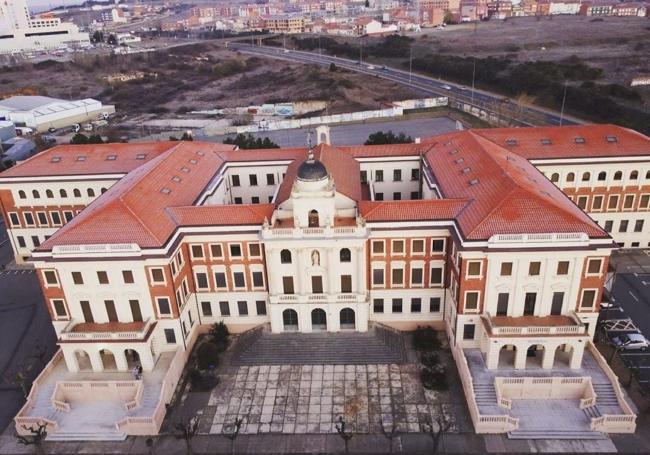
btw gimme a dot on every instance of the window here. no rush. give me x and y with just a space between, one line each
378 247
270 179
397 305
594 266
224 308
415 174
638 226
378 277
379 176
612 202
634 175
170 336
608 226
21 241
215 251
397 196
36 241
623 226
644 202
586 177
29 218
317 284
157 276
529 303
63 193
416 305
582 202
127 276
67 215
90 192
502 303
364 176
602 176
220 280
468 331
77 278
258 279
239 280
35 194
506 268
260 307
235 250
56 218
398 247
254 250
110 310
471 300
597 203
618 175
379 196
238 200
416 276
252 179
534 268
345 255
437 246
397 175
201 280
287 284
59 308
14 219
235 180
474 268
206 308
378 305
556 303
102 277
436 276
255 200
285 257
397 277
164 307
628 202
49 194
136 313
555 177
76 192
570 177
22 195
42 218
196 251
417 246
346 283
434 305
588 298
242 308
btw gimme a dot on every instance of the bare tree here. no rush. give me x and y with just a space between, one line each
187 431
235 432
36 437
345 435
21 378
389 434
437 430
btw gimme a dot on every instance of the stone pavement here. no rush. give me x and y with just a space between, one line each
310 398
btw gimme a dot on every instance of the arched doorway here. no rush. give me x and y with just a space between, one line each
132 358
347 319
108 360
318 320
563 354
534 356
83 360
507 355
290 320
313 219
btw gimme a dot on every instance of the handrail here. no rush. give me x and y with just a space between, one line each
620 396
131 335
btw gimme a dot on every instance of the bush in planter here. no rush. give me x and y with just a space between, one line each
207 356
202 381
220 336
430 359
425 339
434 379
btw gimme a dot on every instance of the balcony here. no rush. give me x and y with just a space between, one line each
91 331
318 298
343 227
534 325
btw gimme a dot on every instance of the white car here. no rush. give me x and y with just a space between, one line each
446 87
631 342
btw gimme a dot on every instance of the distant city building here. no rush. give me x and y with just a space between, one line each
20 32
285 23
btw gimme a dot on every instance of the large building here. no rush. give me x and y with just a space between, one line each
140 247
20 32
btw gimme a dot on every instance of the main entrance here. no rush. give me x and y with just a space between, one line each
318 320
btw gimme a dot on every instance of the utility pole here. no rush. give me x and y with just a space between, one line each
563 101
474 66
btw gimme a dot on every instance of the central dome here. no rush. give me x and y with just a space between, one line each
312 170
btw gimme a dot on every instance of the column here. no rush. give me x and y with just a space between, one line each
520 358
120 360
361 316
576 356
492 356
271 261
71 361
96 360
361 270
331 271
549 357
300 261
146 359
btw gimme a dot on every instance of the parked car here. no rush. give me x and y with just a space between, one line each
446 87
631 342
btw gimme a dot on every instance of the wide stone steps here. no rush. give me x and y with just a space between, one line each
70 436
555 434
605 394
322 348
485 395
592 412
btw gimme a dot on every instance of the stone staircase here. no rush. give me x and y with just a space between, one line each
485 395
86 436
342 348
555 434
605 394
592 412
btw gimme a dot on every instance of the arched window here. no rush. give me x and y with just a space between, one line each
22 195
647 175
91 192
63 193
285 257
345 255
618 175
586 176
103 190
313 218
555 177
602 176
35 194
570 177
49 194
634 175
76 192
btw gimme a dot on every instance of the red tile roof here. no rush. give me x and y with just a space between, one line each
416 210
221 215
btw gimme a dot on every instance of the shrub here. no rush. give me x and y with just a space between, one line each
207 356
434 379
380 138
200 381
425 339
220 336
430 360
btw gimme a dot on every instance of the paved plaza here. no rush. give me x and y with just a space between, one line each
311 398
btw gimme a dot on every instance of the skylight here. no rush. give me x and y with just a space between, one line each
546 141
165 191
81 158
193 161
185 169
579 140
473 182
511 141
611 139
453 152
140 156
200 153
111 157
176 178
55 159
466 170
459 160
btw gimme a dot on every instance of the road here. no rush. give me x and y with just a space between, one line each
524 115
356 133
